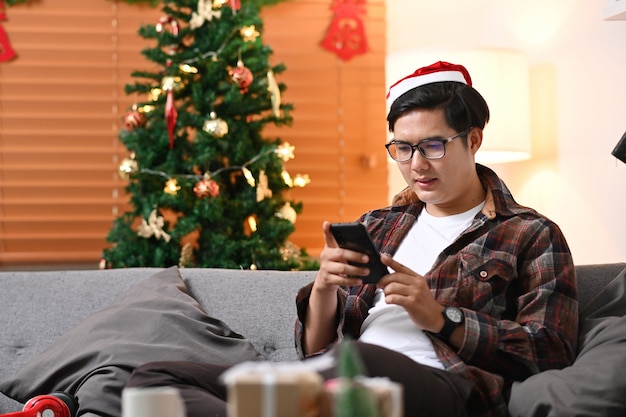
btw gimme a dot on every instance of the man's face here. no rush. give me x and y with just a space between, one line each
447 185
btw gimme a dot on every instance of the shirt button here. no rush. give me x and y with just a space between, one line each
483 274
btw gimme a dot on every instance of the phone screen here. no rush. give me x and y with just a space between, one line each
354 236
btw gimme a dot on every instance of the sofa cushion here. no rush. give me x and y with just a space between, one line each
155 319
595 385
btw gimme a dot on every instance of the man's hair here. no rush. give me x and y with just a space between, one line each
463 106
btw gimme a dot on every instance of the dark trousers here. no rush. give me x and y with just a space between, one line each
427 391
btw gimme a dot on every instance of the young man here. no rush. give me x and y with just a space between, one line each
482 290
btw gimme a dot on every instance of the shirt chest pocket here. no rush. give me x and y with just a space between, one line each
484 282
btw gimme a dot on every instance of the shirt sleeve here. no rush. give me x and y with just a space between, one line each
302 304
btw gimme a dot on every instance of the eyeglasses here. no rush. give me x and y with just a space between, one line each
429 148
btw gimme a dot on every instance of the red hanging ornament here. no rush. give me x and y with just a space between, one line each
134 119
206 187
6 51
241 76
171 116
346 33
169 84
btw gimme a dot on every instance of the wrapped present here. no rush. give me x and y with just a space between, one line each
387 395
266 389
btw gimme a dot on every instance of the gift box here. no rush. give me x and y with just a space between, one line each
260 389
387 395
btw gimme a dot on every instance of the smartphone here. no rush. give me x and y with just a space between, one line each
354 236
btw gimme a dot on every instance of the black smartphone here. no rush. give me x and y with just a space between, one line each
354 236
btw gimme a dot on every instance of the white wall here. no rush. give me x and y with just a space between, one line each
577 65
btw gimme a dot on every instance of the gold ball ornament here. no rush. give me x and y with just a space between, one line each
215 126
288 213
128 167
241 75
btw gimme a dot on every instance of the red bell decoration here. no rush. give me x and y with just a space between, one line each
6 51
346 33
241 76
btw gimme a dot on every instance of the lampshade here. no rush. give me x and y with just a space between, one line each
501 77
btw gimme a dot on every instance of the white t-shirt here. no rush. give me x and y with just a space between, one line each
389 325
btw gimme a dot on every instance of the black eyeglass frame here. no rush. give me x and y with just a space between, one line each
417 146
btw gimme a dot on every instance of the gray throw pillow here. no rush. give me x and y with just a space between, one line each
595 385
154 320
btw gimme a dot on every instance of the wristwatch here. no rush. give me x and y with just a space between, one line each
453 318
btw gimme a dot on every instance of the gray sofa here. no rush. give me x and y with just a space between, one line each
42 309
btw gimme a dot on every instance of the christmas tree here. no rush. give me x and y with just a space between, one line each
207 189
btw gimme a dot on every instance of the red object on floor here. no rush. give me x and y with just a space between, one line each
53 405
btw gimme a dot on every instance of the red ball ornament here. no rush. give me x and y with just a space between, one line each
206 188
241 76
134 119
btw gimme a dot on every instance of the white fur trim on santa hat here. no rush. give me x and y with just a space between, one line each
412 82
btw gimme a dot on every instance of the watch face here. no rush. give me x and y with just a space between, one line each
454 314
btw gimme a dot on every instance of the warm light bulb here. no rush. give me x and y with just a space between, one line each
301 180
285 151
249 177
171 187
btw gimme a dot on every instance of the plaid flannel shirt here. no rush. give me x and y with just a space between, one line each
512 274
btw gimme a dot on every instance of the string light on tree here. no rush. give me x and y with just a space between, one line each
250 225
128 167
285 151
249 33
299 180
171 187
248 176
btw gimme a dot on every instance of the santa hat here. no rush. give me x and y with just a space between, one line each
439 71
